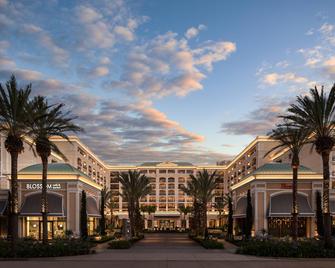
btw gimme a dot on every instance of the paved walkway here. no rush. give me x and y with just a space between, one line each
168 250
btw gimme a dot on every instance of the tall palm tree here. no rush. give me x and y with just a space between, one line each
134 186
192 189
202 187
47 121
316 112
293 138
105 197
13 123
219 205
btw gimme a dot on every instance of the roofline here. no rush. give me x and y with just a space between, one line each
110 167
31 142
74 138
248 147
275 176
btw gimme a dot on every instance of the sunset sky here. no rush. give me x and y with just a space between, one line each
169 80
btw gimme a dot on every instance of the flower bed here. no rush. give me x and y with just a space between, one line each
285 248
29 248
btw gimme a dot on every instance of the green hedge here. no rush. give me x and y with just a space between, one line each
29 248
124 244
103 239
284 248
208 243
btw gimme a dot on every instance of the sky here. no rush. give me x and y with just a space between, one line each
169 80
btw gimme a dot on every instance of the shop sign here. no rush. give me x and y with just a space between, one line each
38 186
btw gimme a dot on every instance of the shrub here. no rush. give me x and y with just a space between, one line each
284 248
207 243
119 244
212 244
103 239
29 248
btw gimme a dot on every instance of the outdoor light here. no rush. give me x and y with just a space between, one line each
34 225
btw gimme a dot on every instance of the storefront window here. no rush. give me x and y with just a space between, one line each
282 226
56 227
92 225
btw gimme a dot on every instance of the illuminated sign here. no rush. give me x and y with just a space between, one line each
38 186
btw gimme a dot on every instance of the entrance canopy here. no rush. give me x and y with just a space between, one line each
281 206
241 208
32 205
92 208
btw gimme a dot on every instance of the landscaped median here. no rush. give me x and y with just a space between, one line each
124 244
207 243
29 248
307 248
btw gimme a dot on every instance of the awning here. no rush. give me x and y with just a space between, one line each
332 207
92 208
32 205
241 208
281 206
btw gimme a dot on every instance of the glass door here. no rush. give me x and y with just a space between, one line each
50 229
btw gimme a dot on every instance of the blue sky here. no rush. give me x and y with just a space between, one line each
169 80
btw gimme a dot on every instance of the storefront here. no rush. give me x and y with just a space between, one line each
3 213
271 197
65 186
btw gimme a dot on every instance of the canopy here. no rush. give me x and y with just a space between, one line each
281 206
92 208
32 205
241 208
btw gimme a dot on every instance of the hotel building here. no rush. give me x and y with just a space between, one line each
267 176
166 180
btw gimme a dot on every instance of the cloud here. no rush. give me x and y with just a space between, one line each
259 121
60 55
3 3
168 65
193 31
124 32
87 14
329 65
100 71
272 79
105 60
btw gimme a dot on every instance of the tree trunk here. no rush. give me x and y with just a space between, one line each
326 210
14 221
204 219
294 202
131 218
44 201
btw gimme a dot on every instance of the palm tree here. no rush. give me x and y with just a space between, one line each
149 209
202 187
192 189
47 121
219 205
106 196
316 112
293 138
134 186
13 123
184 210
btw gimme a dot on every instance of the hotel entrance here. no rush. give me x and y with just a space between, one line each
166 225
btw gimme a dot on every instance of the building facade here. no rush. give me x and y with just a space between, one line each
166 180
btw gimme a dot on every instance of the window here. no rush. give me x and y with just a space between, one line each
171 171
162 171
181 171
162 179
171 179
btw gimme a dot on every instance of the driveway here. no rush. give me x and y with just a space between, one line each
160 250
